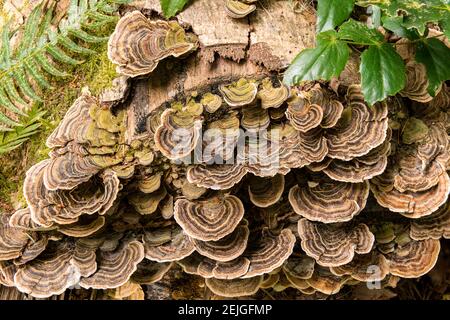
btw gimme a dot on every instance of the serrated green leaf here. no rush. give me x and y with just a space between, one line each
41 59
435 55
331 13
29 125
172 7
359 33
382 72
61 56
23 84
34 71
69 44
328 59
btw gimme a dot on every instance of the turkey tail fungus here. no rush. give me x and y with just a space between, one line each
203 161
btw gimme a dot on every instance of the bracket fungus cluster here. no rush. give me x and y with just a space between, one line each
231 176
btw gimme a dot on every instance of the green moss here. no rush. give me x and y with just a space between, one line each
97 73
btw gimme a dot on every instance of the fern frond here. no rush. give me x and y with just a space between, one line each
43 51
93 26
46 22
61 56
6 52
31 29
23 84
83 35
102 17
42 60
29 126
10 88
71 45
6 120
6 103
36 74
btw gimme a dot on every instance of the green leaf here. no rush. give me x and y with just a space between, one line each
382 73
46 21
23 84
328 59
8 121
172 7
102 17
435 55
395 24
376 16
417 13
61 56
69 44
92 26
359 33
10 88
29 125
34 71
48 67
31 28
6 53
5 102
107 8
445 26
14 144
331 13
83 35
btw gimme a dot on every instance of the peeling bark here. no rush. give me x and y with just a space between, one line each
270 36
264 42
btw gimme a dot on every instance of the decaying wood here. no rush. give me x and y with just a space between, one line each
279 33
229 41
229 49
11 293
117 93
272 35
168 83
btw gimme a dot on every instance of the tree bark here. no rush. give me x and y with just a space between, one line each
258 45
